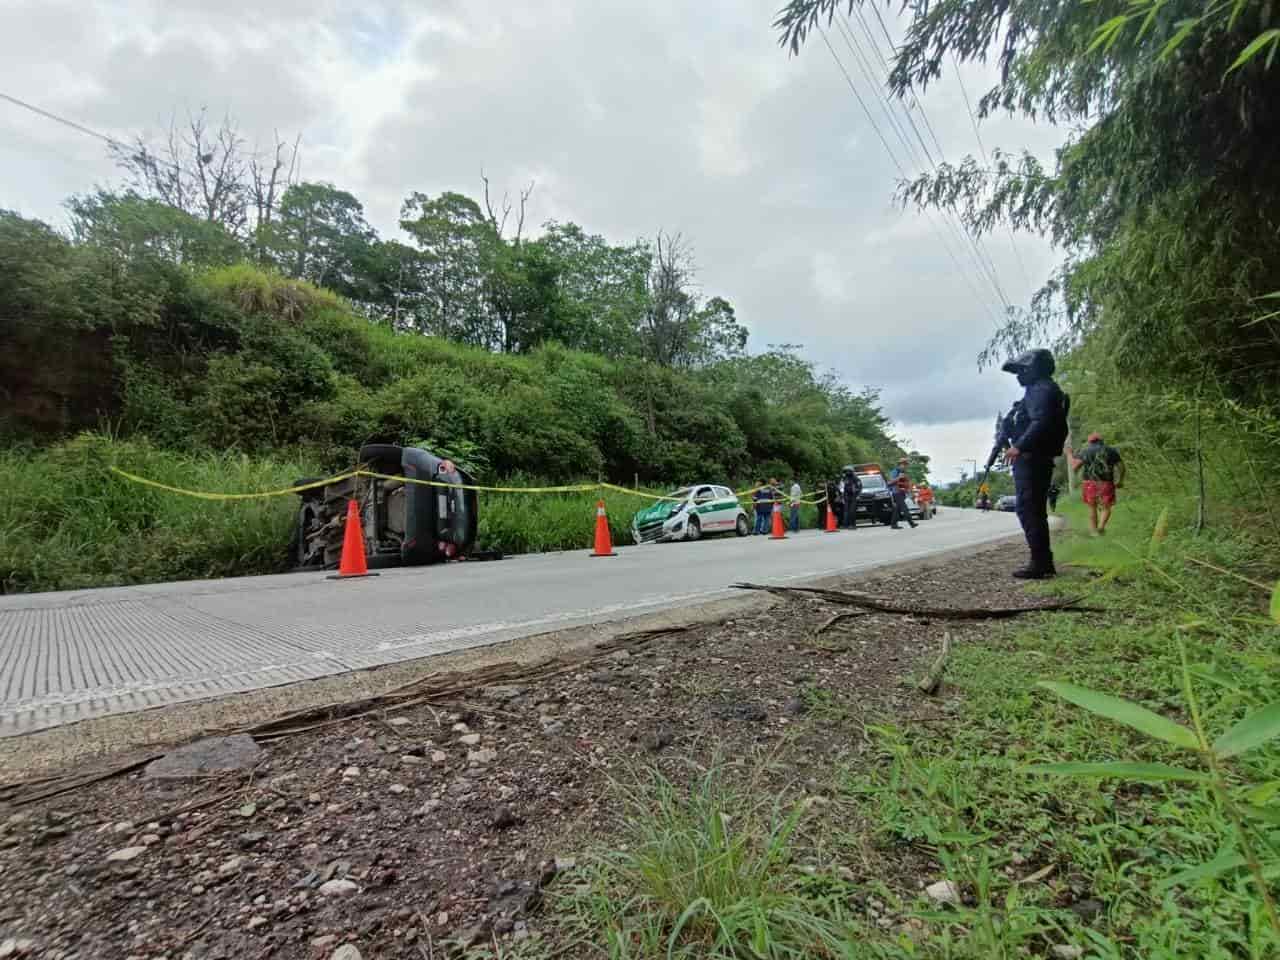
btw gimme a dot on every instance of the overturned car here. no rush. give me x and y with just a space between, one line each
404 523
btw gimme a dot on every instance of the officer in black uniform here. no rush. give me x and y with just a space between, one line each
1039 431
850 487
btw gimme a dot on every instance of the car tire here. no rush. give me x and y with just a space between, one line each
743 526
382 457
693 529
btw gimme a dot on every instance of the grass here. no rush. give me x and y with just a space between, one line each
707 870
1048 866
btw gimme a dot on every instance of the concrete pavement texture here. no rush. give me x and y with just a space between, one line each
76 655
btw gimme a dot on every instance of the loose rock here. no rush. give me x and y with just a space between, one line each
211 755
347 951
944 891
338 888
127 854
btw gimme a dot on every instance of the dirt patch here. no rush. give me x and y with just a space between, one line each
400 832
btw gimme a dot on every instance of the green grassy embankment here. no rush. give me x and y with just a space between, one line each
1132 866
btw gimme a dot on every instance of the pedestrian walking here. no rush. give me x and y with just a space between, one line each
1103 472
796 495
763 500
1039 431
900 483
850 487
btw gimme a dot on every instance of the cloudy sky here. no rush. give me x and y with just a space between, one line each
630 115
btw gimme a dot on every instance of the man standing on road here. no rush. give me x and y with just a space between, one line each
1103 473
764 506
850 487
900 481
795 496
1039 431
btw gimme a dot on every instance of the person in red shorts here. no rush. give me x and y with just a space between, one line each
1102 471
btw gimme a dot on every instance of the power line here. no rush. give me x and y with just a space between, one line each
896 162
81 128
982 257
862 103
62 120
973 120
986 268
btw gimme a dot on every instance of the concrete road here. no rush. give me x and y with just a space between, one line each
72 655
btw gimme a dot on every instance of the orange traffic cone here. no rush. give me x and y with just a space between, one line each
831 520
779 530
604 543
353 563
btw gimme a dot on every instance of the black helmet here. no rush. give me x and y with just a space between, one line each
1035 364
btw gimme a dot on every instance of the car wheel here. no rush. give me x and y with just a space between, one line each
382 457
693 530
743 528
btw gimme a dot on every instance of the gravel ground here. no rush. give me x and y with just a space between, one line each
393 834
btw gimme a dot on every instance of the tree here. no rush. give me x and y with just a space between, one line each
456 240
602 288
133 227
209 173
320 235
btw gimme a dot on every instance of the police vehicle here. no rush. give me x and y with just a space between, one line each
690 513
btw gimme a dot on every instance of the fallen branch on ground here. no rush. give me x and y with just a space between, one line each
936 613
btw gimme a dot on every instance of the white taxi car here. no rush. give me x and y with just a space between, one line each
689 513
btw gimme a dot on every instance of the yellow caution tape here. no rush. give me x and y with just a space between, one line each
338 478
233 496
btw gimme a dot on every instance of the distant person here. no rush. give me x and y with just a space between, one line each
900 482
825 501
1039 431
1053 497
764 506
1103 473
850 487
796 494
984 502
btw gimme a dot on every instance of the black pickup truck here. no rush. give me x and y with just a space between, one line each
875 502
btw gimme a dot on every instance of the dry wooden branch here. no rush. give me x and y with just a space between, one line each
933 679
936 613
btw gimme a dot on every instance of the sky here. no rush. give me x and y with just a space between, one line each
630 117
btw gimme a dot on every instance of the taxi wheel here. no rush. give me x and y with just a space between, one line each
694 530
743 527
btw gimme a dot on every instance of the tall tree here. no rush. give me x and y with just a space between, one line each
320 234
456 240
602 288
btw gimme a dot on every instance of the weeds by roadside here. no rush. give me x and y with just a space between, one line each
1021 861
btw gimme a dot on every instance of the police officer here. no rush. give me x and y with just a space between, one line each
1039 431
850 487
